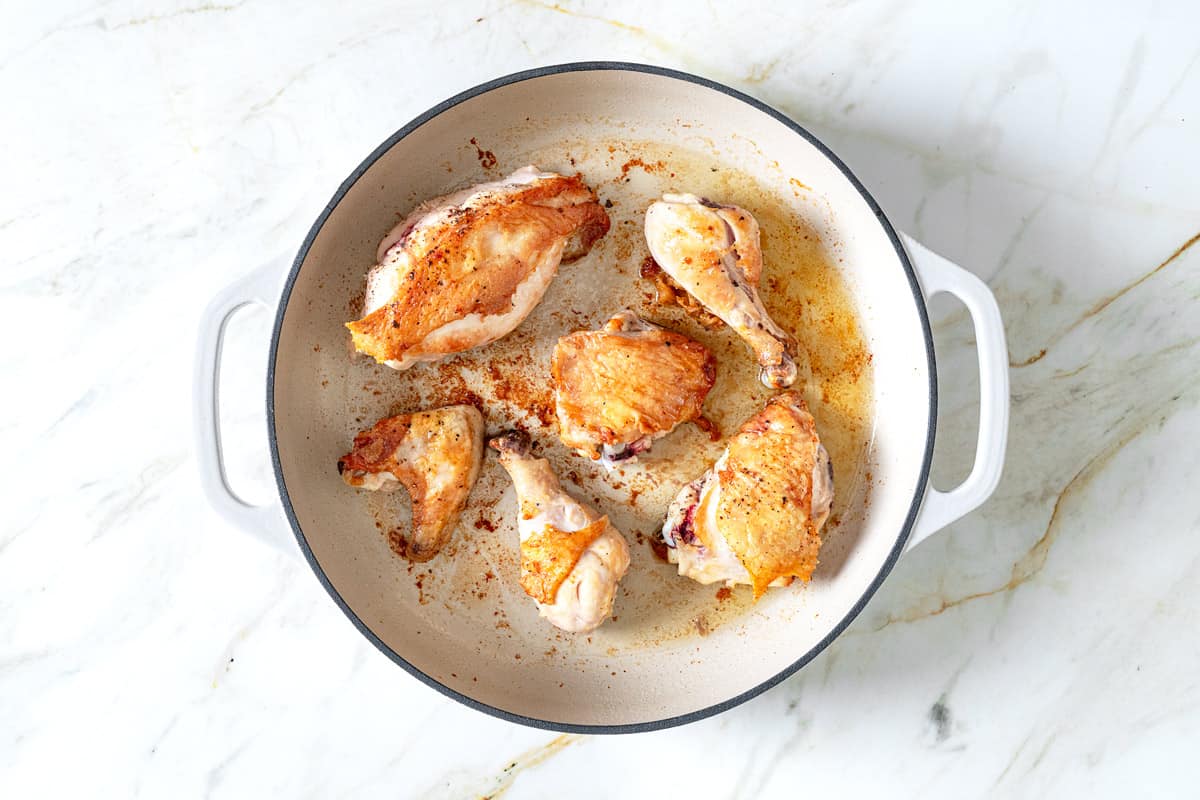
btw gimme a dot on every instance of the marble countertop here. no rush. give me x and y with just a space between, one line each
1046 645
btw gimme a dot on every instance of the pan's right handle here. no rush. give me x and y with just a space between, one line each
264 522
937 275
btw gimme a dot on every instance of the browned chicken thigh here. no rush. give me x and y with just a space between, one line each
435 455
712 252
465 269
618 389
756 516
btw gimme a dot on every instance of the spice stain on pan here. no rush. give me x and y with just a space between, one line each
487 159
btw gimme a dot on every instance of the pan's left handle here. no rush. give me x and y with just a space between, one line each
264 522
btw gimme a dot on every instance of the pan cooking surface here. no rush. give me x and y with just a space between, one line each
475 577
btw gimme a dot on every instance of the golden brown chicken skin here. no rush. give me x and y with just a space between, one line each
435 455
572 557
756 516
465 269
619 388
712 252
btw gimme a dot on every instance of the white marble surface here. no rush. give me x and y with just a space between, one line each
1047 645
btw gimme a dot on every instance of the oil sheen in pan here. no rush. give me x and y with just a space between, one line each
476 575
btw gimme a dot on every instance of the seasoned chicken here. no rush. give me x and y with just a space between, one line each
571 556
756 516
465 269
618 389
712 252
435 455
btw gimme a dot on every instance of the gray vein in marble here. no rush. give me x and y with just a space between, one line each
417 728
82 403
125 502
960 314
1018 236
1012 761
163 734
939 165
14 532
216 775
1129 84
941 720
58 27
1155 116
751 785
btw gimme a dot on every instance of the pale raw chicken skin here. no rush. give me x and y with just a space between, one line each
465 269
572 558
712 251
435 455
756 517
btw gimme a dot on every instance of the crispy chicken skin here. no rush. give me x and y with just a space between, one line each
465 269
571 557
712 251
756 516
618 389
435 455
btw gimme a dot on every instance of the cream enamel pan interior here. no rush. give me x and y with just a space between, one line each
460 623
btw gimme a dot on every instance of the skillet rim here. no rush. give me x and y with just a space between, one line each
905 529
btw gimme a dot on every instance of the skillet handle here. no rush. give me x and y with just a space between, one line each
938 274
264 522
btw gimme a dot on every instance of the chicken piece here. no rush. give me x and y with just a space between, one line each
756 516
435 455
465 269
571 556
618 389
712 252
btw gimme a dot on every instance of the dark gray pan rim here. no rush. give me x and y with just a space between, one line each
693 716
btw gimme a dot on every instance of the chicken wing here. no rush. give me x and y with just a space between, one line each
571 556
756 516
465 269
435 455
712 251
618 389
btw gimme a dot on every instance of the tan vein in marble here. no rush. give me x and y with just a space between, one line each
1034 560
761 72
344 46
1033 359
1105 303
528 760
204 9
654 39
758 74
